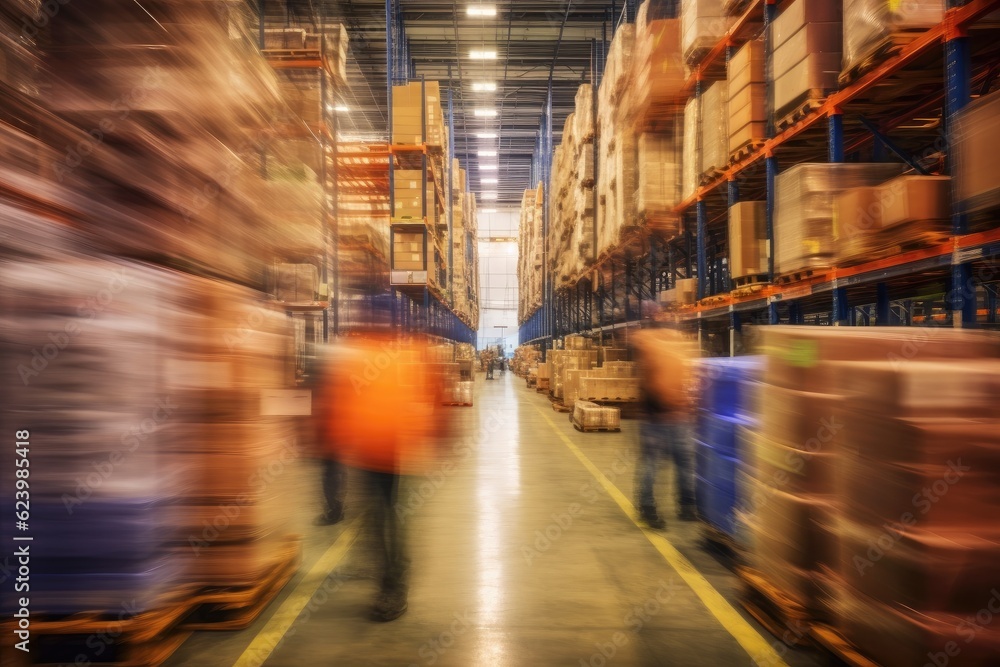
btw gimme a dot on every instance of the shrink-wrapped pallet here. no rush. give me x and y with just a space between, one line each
703 24
869 25
591 416
714 129
658 191
748 239
803 214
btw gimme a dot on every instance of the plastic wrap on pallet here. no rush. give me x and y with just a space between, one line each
584 113
714 128
804 202
691 165
748 239
807 43
976 144
703 24
658 190
593 416
868 24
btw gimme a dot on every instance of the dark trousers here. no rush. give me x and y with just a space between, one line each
389 531
333 484
658 442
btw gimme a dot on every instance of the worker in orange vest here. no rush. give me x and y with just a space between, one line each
380 405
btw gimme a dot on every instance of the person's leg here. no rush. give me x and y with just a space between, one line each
333 492
649 456
683 453
391 602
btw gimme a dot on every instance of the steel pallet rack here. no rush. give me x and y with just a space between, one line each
953 283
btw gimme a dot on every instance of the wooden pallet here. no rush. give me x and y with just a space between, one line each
889 46
839 646
795 276
748 291
918 238
756 279
559 406
774 610
457 405
813 100
745 151
147 639
711 174
594 429
713 300
722 541
235 608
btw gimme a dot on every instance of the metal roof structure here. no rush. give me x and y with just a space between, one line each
536 41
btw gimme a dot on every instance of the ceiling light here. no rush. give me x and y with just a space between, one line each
482 10
486 135
340 108
483 55
488 196
489 181
486 113
488 210
484 87
487 153
488 167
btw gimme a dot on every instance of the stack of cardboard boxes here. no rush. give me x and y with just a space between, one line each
807 41
416 115
869 25
747 97
714 153
659 76
703 24
529 260
748 239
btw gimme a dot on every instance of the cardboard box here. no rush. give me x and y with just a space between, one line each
748 239
976 148
813 77
747 65
797 14
915 198
811 38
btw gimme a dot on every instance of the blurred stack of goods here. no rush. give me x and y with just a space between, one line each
683 293
658 188
614 381
589 416
747 98
578 354
873 27
465 355
713 150
807 40
904 213
658 89
703 24
855 425
725 417
571 236
748 240
618 145
691 158
804 210
526 357
465 250
976 144
529 257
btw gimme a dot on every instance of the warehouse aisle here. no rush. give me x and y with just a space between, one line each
520 557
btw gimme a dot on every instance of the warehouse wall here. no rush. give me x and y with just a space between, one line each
498 278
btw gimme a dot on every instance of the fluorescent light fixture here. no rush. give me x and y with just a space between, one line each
486 113
484 87
488 196
482 10
483 55
488 181
486 135
341 108
488 167
487 153
488 210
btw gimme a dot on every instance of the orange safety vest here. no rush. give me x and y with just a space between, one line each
381 405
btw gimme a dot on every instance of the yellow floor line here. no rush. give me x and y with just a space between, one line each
752 642
278 625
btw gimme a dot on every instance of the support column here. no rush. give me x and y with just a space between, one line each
882 313
771 174
702 211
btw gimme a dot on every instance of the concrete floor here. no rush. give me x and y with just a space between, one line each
520 557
